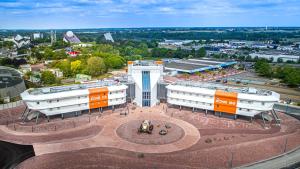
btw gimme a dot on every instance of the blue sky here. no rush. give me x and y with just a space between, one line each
49 14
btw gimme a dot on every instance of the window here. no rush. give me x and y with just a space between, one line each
248 109
240 108
250 102
37 102
57 100
263 103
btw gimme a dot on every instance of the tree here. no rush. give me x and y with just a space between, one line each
201 52
61 54
292 78
48 53
263 68
95 66
48 77
279 60
76 67
115 62
65 67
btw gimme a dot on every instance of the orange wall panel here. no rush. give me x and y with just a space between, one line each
98 97
225 102
159 62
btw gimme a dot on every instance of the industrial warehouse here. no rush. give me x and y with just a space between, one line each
145 88
197 65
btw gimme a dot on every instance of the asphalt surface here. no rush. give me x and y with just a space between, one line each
289 160
13 154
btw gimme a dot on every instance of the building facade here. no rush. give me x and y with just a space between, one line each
146 75
75 98
145 87
219 98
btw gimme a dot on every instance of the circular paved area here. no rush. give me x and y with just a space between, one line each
129 132
109 138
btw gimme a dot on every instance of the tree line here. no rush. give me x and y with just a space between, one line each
288 74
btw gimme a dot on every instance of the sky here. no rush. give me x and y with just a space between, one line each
67 14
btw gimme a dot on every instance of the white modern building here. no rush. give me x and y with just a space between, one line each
108 37
38 35
75 98
145 87
19 40
219 98
146 75
275 56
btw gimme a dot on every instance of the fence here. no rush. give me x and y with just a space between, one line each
11 105
289 109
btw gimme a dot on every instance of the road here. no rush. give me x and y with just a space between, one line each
291 158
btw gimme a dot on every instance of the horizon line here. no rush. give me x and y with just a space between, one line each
144 27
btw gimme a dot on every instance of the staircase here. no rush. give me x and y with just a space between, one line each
276 118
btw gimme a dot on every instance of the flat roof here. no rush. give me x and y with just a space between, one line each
183 66
248 90
194 65
56 89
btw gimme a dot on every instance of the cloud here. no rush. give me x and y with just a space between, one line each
138 10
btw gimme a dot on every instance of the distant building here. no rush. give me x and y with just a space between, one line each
56 72
47 62
73 53
83 45
197 65
19 40
108 37
38 67
275 56
53 36
285 48
25 68
11 83
35 77
71 37
38 36
82 78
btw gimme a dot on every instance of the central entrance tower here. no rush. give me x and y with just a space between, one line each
146 75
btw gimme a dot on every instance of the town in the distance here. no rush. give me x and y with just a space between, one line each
186 97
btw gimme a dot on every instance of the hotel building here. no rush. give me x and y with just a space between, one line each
74 98
144 86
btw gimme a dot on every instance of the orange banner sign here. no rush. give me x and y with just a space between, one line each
225 102
98 97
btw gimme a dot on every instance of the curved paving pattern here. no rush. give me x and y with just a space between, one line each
109 138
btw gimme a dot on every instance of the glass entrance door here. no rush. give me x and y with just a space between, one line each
146 89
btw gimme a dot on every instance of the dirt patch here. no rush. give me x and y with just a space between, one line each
129 132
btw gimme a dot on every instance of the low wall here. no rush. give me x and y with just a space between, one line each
11 105
290 109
